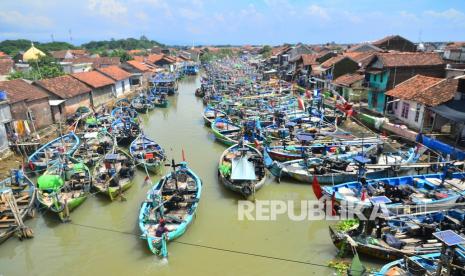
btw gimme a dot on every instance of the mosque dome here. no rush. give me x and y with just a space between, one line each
32 54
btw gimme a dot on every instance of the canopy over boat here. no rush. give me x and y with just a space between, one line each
242 169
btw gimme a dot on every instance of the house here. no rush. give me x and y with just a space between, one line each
81 64
386 70
140 72
298 50
455 52
431 104
396 43
5 120
121 78
72 92
350 86
6 68
27 102
337 66
102 86
68 54
362 58
364 47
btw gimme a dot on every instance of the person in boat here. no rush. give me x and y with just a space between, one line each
18 176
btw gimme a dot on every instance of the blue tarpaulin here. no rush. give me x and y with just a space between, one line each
455 153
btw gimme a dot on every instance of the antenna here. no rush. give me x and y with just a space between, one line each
70 35
53 39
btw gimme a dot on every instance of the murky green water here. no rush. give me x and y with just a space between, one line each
84 247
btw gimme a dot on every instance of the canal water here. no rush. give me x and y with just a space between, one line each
102 238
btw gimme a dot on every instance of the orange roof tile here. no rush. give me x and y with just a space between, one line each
20 90
93 79
138 65
348 79
114 72
65 86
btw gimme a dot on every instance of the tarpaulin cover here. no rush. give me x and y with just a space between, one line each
50 182
242 169
443 148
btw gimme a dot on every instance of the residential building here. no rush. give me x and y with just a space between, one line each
396 43
121 78
350 86
27 102
140 72
6 68
103 87
5 120
386 70
73 93
455 52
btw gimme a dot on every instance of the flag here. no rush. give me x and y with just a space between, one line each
364 195
333 204
308 94
316 187
301 103
183 156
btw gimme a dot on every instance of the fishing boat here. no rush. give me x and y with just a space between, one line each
165 83
124 113
170 208
161 100
396 236
147 154
64 186
241 169
49 153
17 195
340 167
210 114
141 104
229 133
114 173
125 131
421 190
94 145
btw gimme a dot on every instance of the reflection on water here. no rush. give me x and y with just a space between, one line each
103 237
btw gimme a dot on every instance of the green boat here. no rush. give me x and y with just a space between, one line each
147 154
64 186
114 173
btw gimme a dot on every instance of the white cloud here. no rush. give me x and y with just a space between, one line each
107 8
318 11
408 15
18 19
142 16
450 14
160 5
189 14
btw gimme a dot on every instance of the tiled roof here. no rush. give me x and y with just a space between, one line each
138 65
309 59
387 38
20 90
139 58
330 62
426 90
409 59
97 62
115 72
61 54
348 79
93 79
154 58
6 65
65 86
363 58
373 48
3 55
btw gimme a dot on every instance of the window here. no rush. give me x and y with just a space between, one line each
381 78
396 105
417 112
405 110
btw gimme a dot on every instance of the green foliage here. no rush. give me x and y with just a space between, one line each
209 56
341 267
266 51
125 44
122 54
346 225
43 68
13 47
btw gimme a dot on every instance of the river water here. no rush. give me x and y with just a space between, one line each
102 238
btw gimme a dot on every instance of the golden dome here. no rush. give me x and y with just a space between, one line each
32 54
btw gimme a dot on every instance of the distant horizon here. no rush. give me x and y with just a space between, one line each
241 22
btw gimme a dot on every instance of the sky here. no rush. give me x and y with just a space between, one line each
187 22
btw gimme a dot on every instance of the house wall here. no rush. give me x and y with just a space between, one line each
102 95
377 87
409 120
5 117
72 104
119 88
40 110
401 74
398 44
343 67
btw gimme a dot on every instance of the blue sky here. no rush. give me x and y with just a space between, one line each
232 22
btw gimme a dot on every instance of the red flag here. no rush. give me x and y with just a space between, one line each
333 204
301 103
183 156
316 187
308 94
364 195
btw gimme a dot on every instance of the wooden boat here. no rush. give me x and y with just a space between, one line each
421 190
340 168
147 154
141 104
22 189
161 100
210 114
94 145
114 173
124 113
165 83
230 134
49 153
174 199
125 131
64 186
242 169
